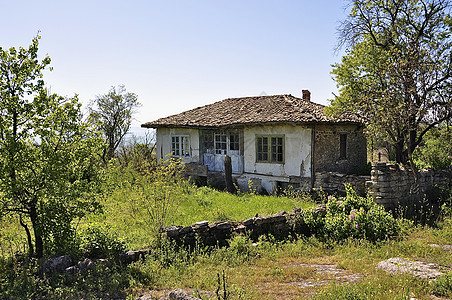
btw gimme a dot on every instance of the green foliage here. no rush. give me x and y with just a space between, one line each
435 151
113 113
396 71
138 154
23 280
49 172
100 242
260 271
153 194
352 217
428 210
442 286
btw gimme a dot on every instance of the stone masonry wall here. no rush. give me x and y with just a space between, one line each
332 182
280 225
390 183
327 149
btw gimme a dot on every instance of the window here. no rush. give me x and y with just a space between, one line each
342 146
220 143
234 141
270 149
207 141
180 145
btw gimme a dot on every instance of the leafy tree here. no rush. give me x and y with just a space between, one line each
397 69
435 151
48 172
114 113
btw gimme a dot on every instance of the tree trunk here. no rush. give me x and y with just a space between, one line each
228 175
398 147
37 230
29 240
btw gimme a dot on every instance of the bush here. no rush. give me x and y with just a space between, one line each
442 286
352 217
427 210
98 242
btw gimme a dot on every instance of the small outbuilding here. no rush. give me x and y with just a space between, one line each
274 141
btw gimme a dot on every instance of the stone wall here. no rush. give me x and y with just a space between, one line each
334 182
327 149
391 184
280 225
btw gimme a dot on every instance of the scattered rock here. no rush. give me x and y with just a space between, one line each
132 256
445 247
72 269
57 264
416 268
179 294
86 264
339 275
200 224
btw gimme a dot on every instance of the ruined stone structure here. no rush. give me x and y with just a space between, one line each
390 183
334 182
340 148
279 225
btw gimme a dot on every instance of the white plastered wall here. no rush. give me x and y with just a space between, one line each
297 155
164 143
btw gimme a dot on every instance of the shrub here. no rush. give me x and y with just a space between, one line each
352 217
442 286
98 242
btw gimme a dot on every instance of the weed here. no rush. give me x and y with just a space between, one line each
442 286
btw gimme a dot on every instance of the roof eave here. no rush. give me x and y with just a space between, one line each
250 124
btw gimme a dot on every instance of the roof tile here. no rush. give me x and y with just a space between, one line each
252 110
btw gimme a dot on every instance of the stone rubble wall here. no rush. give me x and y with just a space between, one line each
280 225
332 182
391 184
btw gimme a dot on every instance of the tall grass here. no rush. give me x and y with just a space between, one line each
268 269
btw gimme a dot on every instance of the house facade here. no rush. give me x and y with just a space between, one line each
273 141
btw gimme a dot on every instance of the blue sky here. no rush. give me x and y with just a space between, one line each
177 55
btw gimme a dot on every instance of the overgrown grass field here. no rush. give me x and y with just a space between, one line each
197 204
263 269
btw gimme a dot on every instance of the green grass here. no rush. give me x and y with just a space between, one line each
269 270
198 204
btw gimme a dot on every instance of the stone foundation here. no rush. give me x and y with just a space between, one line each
333 182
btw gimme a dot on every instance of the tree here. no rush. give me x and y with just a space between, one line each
435 151
397 70
114 113
48 170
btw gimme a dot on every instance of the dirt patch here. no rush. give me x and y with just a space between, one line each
326 274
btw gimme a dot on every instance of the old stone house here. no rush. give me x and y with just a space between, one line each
272 140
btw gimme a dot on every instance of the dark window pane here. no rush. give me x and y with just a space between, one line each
343 146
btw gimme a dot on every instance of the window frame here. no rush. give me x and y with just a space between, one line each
343 145
220 138
270 147
234 141
183 140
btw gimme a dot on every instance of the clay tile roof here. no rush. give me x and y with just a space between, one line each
252 110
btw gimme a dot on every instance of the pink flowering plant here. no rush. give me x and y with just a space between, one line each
354 216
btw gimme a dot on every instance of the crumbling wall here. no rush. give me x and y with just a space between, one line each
391 184
280 225
334 182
